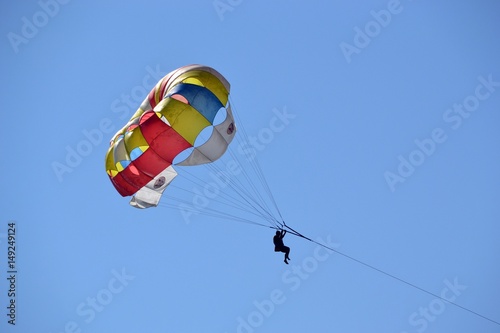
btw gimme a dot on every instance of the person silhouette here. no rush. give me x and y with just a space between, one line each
279 246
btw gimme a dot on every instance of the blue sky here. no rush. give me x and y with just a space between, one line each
388 152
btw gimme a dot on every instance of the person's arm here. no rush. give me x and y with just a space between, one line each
283 233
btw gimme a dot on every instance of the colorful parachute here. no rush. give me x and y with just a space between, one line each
183 103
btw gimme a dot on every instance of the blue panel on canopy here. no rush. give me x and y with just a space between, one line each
200 98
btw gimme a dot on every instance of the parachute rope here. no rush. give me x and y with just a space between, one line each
225 198
254 161
294 232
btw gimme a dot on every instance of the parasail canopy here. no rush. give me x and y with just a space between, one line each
139 161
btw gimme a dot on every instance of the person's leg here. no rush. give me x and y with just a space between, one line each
285 250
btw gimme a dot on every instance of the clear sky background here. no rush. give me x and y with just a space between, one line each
389 153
